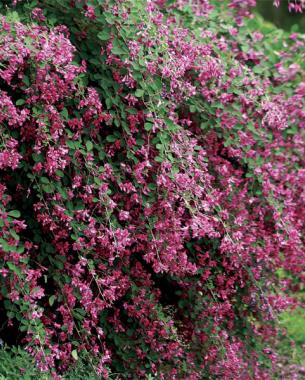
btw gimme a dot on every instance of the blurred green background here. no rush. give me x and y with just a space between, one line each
281 16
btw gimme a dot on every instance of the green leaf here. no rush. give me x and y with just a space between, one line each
14 234
89 145
118 51
139 93
159 159
44 180
104 35
52 300
26 80
48 188
13 268
37 157
148 126
59 173
14 213
20 102
70 144
111 138
74 354
5 247
65 113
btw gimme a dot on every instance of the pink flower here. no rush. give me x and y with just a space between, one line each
37 14
90 12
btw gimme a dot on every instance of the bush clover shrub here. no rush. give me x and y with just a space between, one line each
152 185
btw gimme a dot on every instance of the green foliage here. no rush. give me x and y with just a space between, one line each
15 363
292 343
281 16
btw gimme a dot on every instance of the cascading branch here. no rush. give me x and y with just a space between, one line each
152 185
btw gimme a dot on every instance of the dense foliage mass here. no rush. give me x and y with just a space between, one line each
152 185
